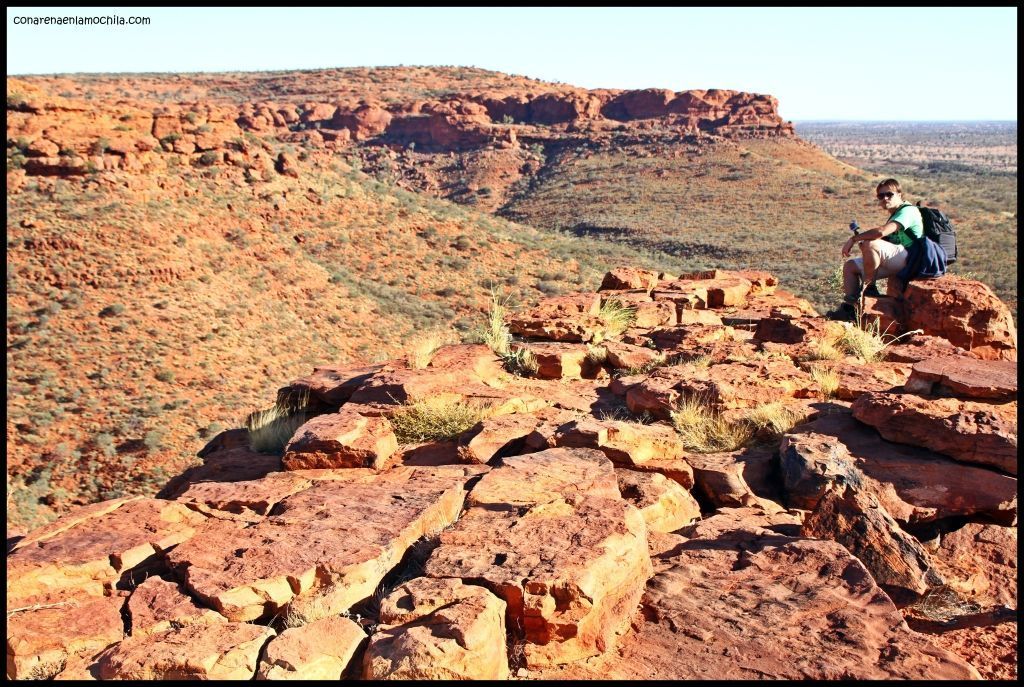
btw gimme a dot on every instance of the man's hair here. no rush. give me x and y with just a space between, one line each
891 184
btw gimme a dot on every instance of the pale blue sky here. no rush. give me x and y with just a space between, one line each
825 63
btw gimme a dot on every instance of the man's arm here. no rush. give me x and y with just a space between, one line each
877 232
869 235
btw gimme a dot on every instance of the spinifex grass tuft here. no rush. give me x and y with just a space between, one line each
826 378
703 429
435 419
270 429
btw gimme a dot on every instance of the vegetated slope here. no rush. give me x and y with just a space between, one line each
387 84
142 321
782 205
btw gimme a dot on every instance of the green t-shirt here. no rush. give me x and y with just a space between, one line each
908 217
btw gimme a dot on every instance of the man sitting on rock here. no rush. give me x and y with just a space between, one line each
883 250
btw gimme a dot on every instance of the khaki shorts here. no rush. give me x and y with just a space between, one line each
893 259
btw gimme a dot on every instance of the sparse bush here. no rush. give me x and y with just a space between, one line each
164 375
112 310
521 361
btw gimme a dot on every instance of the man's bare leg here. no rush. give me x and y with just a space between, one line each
851 278
872 259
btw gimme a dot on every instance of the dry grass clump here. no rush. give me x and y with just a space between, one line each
943 604
867 340
699 362
772 419
422 348
315 609
270 429
435 419
826 378
496 333
615 319
703 429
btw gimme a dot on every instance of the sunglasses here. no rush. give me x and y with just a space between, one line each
885 195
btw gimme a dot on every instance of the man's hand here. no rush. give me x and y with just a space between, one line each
847 247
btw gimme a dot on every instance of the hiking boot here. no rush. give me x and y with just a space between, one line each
844 313
872 291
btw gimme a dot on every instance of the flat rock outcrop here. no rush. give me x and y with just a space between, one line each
341 536
579 529
741 601
968 431
562 549
913 484
225 651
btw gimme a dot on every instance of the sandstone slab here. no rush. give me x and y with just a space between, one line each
738 602
625 443
438 629
41 639
963 376
237 464
968 431
157 605
249 499
549 534
224 651
333 385
330 544
96 551
914 485
320 650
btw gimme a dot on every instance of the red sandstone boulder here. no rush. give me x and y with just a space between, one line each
319 650
438 629
345 439
897 562
664 503
965 312
914 485
629 278
972 432
550 534
963 376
